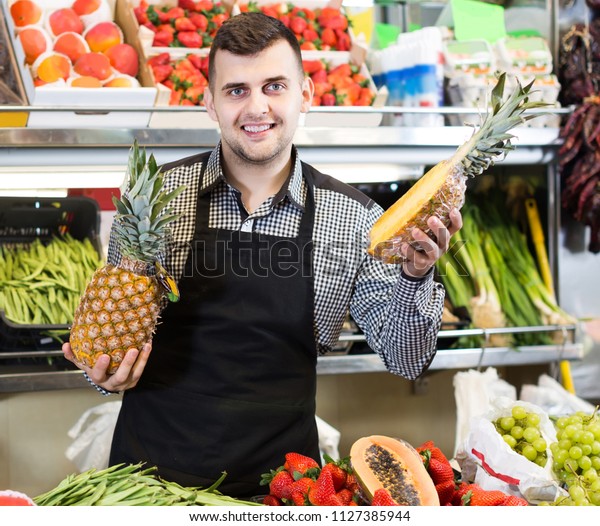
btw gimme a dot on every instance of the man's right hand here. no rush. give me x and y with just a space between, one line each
125 377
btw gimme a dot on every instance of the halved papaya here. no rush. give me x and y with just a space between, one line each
385 462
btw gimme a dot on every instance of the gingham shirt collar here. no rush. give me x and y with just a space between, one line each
292 188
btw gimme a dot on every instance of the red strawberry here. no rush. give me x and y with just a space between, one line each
439 471
323 490
382 497
445 491
298 25
460 492
435 452
328 99
481 497
271 500
345 496
300 463
300 490
338 475
513 500
333 500
352 483
281 485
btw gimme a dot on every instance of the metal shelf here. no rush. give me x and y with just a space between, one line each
34 378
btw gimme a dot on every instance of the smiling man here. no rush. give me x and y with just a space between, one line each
270 257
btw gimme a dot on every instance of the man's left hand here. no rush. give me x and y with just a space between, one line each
419 262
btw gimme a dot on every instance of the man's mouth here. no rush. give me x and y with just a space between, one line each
257 128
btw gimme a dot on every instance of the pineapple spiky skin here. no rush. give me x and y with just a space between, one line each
120 307
119 311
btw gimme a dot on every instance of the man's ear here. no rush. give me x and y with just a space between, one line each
209 103
308 90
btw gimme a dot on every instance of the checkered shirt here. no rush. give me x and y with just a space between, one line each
399 316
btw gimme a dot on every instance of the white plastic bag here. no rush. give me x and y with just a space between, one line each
554 398
487 460
329 439
473 392
92 436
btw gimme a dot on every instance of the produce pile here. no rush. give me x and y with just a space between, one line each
420 476
579 74
189 24
338 84
40 284
79 45
385 471
131 485
322 28
490 273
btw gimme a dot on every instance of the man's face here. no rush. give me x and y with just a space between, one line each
257 101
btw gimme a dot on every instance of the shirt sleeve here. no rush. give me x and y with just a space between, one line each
400 316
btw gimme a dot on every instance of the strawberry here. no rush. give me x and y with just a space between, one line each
310 35
186 4
190 39
312 66
435 452
200 22
445 491
300 463
328 37
338 475
174 13
328 99
270 500
513 500
319 77
300 490
459 492
184 24
323 491
481 497
281 485
352 483
382 497
162 39
439 471
298 25
345 496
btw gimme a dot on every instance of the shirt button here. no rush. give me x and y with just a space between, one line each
247 225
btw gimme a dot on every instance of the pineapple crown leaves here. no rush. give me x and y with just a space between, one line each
493 140
143 215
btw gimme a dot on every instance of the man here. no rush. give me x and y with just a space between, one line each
270 257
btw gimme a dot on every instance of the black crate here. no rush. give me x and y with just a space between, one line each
24 219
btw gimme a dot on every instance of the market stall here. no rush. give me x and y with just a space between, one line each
376 124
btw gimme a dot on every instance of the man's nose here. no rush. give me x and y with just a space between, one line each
257 103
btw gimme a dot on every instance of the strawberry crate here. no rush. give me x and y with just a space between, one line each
178 26
319 25
23 220
336 117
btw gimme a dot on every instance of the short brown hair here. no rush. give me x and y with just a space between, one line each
248 34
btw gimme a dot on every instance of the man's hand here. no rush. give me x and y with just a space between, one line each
419 262
125 377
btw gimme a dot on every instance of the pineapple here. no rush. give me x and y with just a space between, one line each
121 304
443 187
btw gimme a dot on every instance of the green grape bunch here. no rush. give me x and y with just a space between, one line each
576 457
521 431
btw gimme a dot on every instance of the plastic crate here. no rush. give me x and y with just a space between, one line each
24 219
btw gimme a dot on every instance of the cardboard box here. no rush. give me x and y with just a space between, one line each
12 91
142 97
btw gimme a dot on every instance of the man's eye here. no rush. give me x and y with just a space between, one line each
237 92
276 86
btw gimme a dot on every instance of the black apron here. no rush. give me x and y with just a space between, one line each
231 381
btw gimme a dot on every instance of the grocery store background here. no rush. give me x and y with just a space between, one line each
34 422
